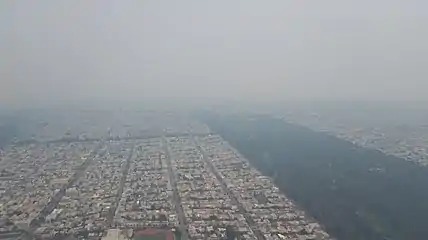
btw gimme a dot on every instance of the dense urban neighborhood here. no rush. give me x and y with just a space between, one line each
400 133
172 176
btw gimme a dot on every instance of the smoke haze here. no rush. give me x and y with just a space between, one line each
103 51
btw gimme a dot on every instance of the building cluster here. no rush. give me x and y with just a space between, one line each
74 125
208 209
32 175
405 138
147 196
267 209
177 177
88 205
410 145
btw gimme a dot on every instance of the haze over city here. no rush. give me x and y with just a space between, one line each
80 52
213 120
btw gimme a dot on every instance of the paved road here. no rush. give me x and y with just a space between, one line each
53 203
176 197
125 170
235 201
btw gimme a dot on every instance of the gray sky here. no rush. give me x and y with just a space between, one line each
81 51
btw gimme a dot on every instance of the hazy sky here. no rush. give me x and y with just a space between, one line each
80 51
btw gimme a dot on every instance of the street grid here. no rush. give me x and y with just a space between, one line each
196 184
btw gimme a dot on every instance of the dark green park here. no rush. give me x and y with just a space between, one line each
355 193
